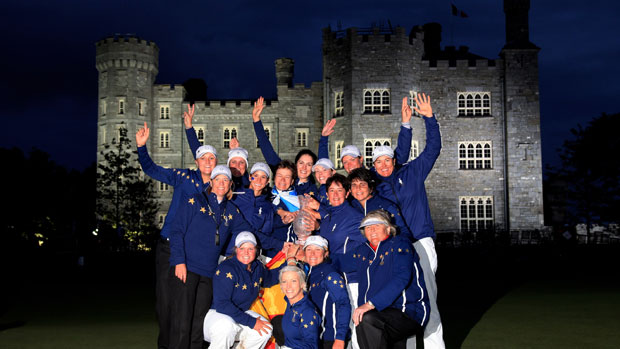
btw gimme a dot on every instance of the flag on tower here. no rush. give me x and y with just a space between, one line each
457 12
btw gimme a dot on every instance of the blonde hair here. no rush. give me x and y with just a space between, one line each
300 274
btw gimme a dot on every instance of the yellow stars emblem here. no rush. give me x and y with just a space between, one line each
363 258
400 250
244 287
229 275
305 326
335 282
178 172
314 316
311 323
255 284
197 185
302 320
191 201
217 272
183 174
192 181
188 177
341 286
260 280
202 209
230 216
386 253
329 278
407 250
311 193
236 285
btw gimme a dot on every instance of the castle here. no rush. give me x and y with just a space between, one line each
489 173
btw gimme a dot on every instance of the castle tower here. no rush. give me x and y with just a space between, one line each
285 68
522 120
127 69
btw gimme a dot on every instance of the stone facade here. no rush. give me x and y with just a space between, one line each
356 62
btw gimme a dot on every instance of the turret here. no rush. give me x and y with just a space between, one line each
285 68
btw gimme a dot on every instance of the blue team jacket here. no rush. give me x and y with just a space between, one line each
193 232
390 277
328 292
258 211
406 188
235 288
377 202
301 325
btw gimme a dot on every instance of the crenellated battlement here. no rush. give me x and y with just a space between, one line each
372 35
235 104
459 64
127 52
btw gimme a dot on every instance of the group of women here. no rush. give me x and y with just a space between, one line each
356 281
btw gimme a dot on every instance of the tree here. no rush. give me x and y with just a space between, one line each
126 205
591 171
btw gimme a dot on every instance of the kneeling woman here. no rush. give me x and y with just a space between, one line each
392 302
301 320
235 287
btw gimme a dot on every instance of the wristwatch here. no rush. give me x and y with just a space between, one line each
370 303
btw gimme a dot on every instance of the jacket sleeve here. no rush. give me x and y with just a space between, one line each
338 293
180 224
192 140
224 283
159 173
270 155
403 148
423 164
324 147
271 276
310 329
402 273
403 229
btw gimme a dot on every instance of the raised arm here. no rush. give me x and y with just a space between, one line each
403 148
271 157
424 163
149 167
190 133
328 129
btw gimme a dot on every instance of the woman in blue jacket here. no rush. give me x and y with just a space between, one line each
301 321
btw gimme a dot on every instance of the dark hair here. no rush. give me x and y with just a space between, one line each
306 152
364 175
286 165
340 179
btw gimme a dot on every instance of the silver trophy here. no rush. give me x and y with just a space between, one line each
299 226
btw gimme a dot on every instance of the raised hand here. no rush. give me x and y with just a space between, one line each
142 135
258 109
328 129
188 116
423 105
406 111
234 143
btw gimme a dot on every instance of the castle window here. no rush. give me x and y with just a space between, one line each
163 186
141 107
301 138
267 129
228 133
104 107
412 102
160 220
370 145
164 139
474 103
164 112
476 213
415 150
376 101
338 103
338 145
200 134
102 134
121 106
475 155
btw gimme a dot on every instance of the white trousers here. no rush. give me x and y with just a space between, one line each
353 291
222 331
433 332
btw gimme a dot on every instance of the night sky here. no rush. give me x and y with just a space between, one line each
48 87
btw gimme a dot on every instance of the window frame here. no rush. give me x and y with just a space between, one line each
122 106
233 131
164 139
375 142
164 112
301 137
338 145
338 103
374 101
467 104
482 210
475 155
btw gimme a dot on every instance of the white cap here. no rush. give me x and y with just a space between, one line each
350 150
261 166
238 153
382 150
325 163
317 241
221 169
372 221
203 149
243 237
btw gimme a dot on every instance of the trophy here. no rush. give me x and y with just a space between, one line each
299 226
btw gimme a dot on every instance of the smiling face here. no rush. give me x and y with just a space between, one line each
292 286
206 163
304 167
221 185
384 165
336 194
246 253
283 178
350 163
258 181
315 255
237 166
360 190
376 233
322 174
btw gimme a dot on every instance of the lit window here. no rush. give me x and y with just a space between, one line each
163 186
104 107
141 107
414 152
474 103
102 134
376 101
475 155
200 134
164 139
121 106
476 213
301 138
228 133
161 219
164 112
338 145
412 102
338 103
370 145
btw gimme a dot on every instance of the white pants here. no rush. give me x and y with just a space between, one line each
353 291
222 331
433 332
